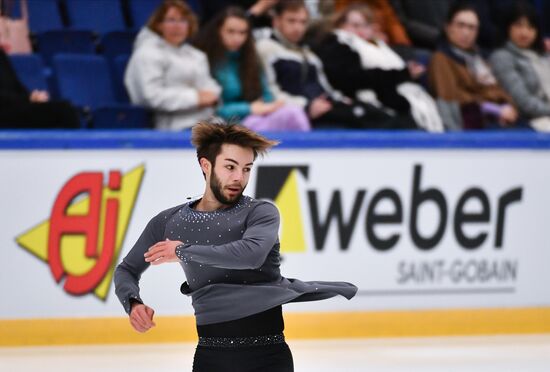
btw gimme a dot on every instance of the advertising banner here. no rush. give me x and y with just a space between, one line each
412 228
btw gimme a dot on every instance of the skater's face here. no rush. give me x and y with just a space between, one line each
231 172
292 24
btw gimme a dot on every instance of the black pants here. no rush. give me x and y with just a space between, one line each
269 358
265 358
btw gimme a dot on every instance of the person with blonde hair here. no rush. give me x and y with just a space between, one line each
168 75
227 244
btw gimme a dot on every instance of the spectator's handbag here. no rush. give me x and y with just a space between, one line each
14 33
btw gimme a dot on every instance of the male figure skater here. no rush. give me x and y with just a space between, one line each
228 247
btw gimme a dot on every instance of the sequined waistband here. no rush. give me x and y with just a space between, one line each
242 341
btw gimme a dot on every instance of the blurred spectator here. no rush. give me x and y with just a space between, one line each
492 13
256 10
373 72
228 43
167 74
469 94
387 26
544 9
522 66
296 74
20 109
423 20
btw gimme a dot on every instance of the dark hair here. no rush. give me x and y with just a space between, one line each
250 68
457 7
160 12
461 6
513 14
288 6
208 139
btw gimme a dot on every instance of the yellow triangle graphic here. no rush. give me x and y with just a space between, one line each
73 258
292 228
36 240
127 196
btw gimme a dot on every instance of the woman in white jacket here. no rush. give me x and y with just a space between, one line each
168 75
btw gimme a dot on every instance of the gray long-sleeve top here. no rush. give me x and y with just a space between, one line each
517 76
230 258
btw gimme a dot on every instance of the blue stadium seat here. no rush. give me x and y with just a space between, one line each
64 41
100 16
30 70
141 10
195 6
85 81
118 70
116 43
44 15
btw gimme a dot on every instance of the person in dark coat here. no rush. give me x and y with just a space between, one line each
21 109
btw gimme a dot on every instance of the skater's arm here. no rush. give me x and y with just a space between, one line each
250 252
128 273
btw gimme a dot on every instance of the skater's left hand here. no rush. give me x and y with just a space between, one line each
164 251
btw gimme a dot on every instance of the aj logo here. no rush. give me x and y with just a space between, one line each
82 239
280 184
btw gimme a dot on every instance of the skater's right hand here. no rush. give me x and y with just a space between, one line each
141 317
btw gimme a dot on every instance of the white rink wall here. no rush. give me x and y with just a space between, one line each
416 224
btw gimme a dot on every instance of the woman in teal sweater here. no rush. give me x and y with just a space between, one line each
234 63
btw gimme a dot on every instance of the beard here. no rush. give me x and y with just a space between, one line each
217 189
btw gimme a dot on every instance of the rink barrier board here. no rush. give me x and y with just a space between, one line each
371 324
332 325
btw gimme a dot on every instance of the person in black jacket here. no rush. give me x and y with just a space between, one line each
296 75
20 109
373 72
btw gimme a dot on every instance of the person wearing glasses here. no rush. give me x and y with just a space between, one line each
468 93
168 75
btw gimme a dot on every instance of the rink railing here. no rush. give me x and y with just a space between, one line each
145 139
522 155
